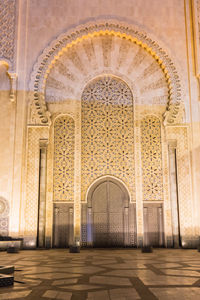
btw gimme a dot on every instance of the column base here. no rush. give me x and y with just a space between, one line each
74 249
147 249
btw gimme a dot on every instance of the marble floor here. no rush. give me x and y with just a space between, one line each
103 274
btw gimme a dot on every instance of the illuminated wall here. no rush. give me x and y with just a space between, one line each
49 77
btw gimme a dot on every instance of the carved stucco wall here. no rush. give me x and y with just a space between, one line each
4 217
107 145
7 29
106 54
196 36
65 79
6 134
152 174
181 136
5 117
104 36
63 171
32 183
198 18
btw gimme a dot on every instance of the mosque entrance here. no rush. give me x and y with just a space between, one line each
108 222
108 215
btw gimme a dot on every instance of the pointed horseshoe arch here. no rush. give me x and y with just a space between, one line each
84 32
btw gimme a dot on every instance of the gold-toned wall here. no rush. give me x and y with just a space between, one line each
153 48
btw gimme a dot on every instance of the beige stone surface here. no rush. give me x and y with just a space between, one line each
159 62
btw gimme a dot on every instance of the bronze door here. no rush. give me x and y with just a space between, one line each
153 225
62 225
108 215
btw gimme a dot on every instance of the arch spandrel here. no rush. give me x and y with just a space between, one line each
169 80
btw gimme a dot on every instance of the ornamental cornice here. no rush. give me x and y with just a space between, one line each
54 50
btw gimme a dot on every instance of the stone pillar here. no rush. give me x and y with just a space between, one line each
77 179
174 194
138 184
15 211
71 227
89 227
161 229
42 194
145 222
126 233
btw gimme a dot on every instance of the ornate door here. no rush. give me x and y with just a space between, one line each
108 215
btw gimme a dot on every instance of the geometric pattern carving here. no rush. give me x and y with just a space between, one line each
102 27
107 132
4 219
198 19
33 155
96 55
63 171
151 158
4 226
7 29
4 208
184 180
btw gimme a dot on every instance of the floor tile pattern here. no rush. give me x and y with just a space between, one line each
103 274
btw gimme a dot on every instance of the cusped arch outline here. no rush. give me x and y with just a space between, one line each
67 40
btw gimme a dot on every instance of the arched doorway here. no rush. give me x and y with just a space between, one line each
111 216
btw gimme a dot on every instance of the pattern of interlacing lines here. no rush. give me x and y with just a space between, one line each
63 172
7 29
198 17
107 132
151 158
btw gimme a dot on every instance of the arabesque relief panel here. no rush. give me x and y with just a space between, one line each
107 132
92 72
180 134
63 171
34 134
151 152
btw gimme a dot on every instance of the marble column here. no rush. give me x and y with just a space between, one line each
89 227
42 194
126 233
174 194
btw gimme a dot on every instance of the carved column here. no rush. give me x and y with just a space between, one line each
14 224
126 229
71 233
138 184
89 227
77 179
161 229
174 194
146 225
13 81
42 193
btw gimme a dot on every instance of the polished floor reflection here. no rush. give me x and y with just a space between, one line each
103 274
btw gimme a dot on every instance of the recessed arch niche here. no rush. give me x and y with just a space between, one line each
72 62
